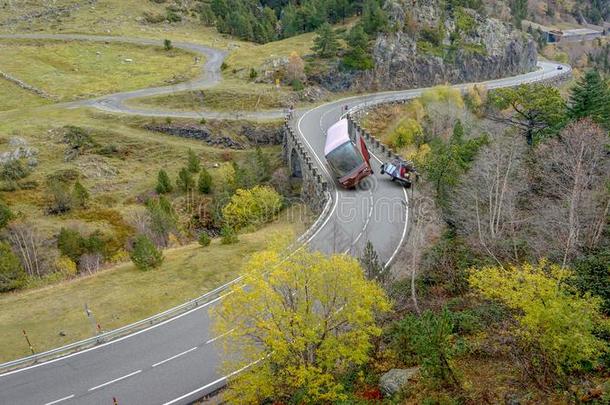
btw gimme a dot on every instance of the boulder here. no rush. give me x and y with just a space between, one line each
396 379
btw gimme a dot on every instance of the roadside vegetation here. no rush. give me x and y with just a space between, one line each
83 194
499 291
55 315
500 294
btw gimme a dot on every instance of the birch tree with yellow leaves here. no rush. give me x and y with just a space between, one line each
296 326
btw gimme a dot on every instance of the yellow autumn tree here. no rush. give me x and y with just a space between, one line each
254 206
443 94
550 314
299 323
295 70
407 132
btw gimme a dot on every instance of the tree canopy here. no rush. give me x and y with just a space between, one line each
550 315
538 110
357 56
325 43
264 21
304 319
590 97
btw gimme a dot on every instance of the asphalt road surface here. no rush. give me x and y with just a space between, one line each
176 361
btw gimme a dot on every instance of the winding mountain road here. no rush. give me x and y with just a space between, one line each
175 362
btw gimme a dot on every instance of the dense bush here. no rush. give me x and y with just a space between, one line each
13 170
228 235
6 215
408 132
592 274
428 340
550 315
145 254
78 141
12 275
255 206
204 239
73 245
59 196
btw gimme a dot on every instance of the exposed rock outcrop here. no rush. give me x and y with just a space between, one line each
429 45
198 132
488 49
396 379
238 136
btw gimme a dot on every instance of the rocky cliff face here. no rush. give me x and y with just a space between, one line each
469 48
429 45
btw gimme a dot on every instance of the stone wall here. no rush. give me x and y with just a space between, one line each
301 165
26 86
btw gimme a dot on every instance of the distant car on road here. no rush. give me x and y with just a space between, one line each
559 67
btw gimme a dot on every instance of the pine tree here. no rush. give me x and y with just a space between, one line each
193 163
357 56
373 269
80 195
374 19
458 133
185 181
145 254
163 218
263 165
164 184
204 184
519 11
325 44
590 97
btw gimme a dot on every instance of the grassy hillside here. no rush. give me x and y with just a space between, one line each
124 294
71 70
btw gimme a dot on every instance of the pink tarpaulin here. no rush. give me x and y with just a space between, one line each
336 135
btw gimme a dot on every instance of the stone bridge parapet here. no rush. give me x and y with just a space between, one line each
300 161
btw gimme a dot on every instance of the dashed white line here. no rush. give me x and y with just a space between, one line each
221 379
60 400
115 380
175 357
219 337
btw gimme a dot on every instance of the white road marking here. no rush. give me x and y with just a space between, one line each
174 357
404 229
115 380
380 96
173 401
60 400
119 339
219 336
